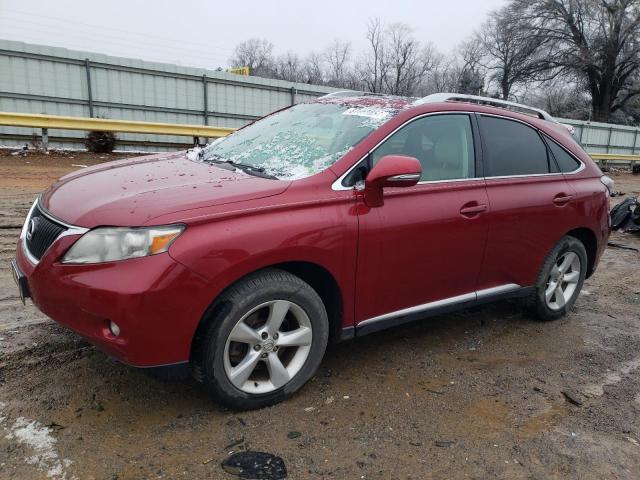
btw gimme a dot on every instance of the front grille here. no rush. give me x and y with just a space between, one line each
41 233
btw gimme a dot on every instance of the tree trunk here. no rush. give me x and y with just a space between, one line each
505 90
600 114
601 106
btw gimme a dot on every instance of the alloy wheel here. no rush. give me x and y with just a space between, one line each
268 346
563 280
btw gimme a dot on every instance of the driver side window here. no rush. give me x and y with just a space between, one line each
443 144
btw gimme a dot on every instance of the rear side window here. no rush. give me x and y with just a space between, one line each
513 148
565 161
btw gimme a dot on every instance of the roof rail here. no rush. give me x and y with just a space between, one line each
493 102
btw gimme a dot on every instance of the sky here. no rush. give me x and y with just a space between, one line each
203 33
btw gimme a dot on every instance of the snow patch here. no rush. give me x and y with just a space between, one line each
194 153
369 112
38 438
612 378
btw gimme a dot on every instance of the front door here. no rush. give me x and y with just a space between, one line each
424 247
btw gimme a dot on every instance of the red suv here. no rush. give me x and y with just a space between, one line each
321 222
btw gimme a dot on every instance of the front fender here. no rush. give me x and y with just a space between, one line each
224 251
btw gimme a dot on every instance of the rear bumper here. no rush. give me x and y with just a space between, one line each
602 246
153 300
603 240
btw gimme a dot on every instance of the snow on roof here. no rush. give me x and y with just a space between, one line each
383 102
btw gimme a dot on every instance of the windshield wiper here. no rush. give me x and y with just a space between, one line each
245 167
250 169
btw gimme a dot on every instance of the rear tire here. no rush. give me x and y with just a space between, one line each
560 280
266 341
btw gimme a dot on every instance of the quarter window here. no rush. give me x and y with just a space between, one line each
565 161
443 144
513 148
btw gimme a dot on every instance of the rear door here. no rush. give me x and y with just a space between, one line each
425 244
530 200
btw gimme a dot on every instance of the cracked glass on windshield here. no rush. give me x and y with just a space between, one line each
300 141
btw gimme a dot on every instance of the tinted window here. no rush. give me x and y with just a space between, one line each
513 148
443 144
566 162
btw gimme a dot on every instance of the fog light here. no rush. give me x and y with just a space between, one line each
115 329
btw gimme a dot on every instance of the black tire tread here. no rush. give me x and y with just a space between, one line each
235 295
533 302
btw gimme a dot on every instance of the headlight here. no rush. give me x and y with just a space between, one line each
109 244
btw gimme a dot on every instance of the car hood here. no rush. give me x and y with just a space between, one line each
134 191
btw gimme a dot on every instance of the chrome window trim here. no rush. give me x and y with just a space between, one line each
538 174
471 179
337 184
70 230
540 132
445 302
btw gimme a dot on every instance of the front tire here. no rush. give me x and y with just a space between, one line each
266 342
560 280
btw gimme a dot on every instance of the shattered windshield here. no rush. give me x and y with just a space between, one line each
298 142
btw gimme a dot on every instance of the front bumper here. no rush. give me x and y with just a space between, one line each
155 301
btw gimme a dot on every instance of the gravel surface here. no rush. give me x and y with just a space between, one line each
485 393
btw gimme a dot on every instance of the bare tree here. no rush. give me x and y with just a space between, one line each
444 77
373 67
338 56
470 71
629 114
561 98
255 53
314 69
395 63
289 67
597 40
511 53
408 62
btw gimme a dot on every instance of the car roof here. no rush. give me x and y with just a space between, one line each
406 106
447 102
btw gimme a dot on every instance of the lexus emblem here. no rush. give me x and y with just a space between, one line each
31 228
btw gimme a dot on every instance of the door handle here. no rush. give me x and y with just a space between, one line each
472 210
562 199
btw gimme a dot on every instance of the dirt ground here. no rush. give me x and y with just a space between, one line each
486 393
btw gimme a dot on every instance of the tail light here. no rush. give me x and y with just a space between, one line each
610 184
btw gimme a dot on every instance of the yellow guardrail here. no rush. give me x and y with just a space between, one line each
615 156
33 120
45 122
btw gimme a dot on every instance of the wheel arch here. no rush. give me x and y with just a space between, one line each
317 276
325 284
590 242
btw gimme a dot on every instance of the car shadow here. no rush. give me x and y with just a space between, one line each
442 333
